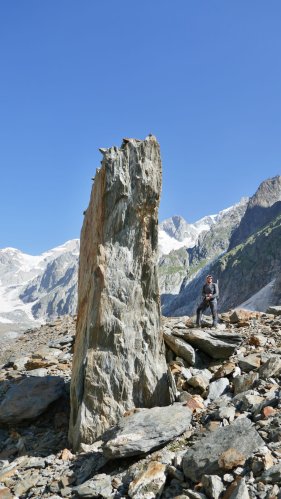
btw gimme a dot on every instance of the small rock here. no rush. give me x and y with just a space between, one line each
180 347
240 491
98 486
148 483
272 367
38 372
225 370
35 462
19 364
225 413
217 388
230 459
228 478
199 381
5 493
213 485
67 455
25 484
248 401
268 411
192 494
250 362
242 315
218 345
258 340
175 473
275 310
244 382
194 402
272 475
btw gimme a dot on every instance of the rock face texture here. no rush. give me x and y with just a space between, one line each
119 360
145 430
263 207
242 272
230 446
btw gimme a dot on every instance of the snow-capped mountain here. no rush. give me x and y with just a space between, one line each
181 265
37 288
40 288
175 232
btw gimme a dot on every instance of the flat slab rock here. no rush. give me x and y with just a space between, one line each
145 430
206 456
217 345
28 398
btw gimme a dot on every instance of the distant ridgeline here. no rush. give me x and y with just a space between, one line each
240 246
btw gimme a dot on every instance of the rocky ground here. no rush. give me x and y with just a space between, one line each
220 439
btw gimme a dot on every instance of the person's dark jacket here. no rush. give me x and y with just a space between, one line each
210 289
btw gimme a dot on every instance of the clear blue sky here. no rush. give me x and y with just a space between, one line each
203 76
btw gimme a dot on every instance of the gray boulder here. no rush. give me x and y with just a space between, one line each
29 398
244 382
272 475
145 430
213 486
98 486
215 344
204 457
241 491
272 367
274 310
217 388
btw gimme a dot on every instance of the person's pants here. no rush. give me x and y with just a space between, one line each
203 306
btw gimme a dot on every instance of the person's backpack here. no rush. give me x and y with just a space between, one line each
217 288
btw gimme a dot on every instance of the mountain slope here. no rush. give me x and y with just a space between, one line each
263 207
37 287
182 264
242 272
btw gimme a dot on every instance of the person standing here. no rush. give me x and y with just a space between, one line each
210 293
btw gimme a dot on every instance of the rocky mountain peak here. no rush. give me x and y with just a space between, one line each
267 194
263 207
176 227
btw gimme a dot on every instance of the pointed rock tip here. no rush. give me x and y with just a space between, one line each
127 140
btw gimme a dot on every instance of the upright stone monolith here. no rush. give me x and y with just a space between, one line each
119 361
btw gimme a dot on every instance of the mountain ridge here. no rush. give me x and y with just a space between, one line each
34 289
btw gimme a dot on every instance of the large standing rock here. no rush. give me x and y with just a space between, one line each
119 358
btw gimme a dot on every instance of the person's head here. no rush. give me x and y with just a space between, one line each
209 279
